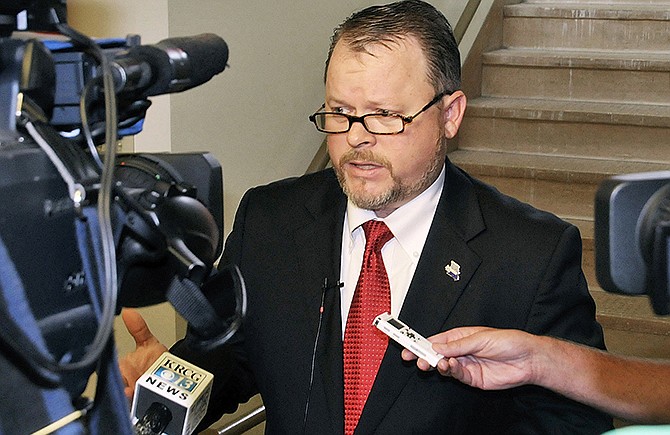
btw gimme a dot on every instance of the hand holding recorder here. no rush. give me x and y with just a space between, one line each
634 389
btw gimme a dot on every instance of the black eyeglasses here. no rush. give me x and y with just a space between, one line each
375 123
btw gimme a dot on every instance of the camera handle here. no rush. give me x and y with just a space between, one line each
208 329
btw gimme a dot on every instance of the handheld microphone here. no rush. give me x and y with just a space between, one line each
171 65
171 397
154 421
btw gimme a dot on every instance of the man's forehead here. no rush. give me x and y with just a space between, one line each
402 58
381 75
403 45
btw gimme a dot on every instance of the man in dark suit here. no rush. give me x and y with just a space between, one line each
461 253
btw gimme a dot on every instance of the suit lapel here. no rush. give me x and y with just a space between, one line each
433 294
318 244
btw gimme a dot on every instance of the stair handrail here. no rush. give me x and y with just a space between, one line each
319 162
246 422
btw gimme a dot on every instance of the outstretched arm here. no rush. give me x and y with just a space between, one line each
485 358
493 359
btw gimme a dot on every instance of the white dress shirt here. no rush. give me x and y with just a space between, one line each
409 224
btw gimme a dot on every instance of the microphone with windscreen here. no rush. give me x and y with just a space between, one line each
171 65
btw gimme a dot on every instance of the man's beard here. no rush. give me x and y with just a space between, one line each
399 189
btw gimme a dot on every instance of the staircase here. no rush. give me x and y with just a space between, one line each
561 96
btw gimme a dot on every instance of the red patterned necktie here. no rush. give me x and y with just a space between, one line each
364 345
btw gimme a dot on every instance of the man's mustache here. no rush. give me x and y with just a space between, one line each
364 156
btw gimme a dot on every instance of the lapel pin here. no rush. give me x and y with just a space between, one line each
453 269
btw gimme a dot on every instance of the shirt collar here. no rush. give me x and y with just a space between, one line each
408 223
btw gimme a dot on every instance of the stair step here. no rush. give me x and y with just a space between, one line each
580 59
563 185
627 131
622 26
631 114
623 3
561 168
577 75
585 225
631 326
587 10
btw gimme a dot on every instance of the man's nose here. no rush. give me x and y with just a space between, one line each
358 135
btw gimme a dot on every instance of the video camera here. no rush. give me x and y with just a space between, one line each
84 232
632 234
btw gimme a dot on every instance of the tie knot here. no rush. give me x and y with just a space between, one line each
376 235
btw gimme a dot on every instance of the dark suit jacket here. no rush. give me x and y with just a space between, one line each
520 268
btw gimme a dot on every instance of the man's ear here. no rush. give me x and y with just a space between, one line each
453 111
